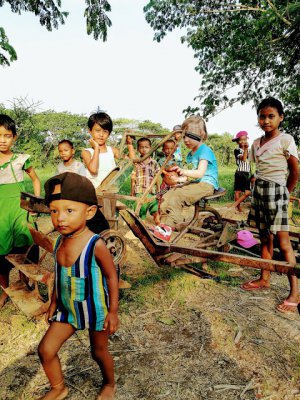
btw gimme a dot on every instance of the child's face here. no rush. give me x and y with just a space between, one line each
144 147
191 144
171 178
242 141
65 151
69 217
168 148
7 140
99 134
177 136
269 119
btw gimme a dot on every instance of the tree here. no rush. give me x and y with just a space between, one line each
51 16
246 50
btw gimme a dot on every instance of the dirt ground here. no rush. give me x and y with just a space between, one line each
181 337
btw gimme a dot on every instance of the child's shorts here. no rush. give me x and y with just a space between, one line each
269 207
241 181
152 207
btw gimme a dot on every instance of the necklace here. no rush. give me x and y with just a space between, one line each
71 236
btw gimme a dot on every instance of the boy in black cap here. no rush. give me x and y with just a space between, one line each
86 283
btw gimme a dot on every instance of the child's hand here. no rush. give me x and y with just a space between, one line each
93 143
129 140
49 314
176 169
111 322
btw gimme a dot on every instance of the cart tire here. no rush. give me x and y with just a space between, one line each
115 244
211 219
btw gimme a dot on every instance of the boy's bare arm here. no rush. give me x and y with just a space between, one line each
245 153
293 175
91 163
133 182
35 181
131 152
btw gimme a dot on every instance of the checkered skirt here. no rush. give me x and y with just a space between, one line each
269 207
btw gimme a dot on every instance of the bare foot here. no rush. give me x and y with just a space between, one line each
255 285
56 393
107 392
3 299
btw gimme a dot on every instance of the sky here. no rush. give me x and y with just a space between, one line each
128 76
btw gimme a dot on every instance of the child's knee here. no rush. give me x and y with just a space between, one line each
99 353
45 352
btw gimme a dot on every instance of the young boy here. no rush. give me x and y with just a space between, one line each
143 175
204 173
242 174
100 159
276 158
167 149
177 136
66 151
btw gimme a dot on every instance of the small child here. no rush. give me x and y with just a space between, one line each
14 234
100 159
177 136
167 149
143 175
66 151
86 285
242 174
204 173
276 158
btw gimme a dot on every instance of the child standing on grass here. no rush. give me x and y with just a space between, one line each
14 234
143 175
66 151
242 174
177 136
86 283
276 158
100 159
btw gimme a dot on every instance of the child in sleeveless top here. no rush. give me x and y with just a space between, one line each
100 159
69 164
86 283
14 233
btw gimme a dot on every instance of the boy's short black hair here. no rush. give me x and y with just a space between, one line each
101 119
271 102
169 141
68 142
143 139
8 123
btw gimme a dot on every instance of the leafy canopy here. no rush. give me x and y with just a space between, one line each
51 16
245 50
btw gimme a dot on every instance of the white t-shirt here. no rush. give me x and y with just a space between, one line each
271 158
76 167
106 165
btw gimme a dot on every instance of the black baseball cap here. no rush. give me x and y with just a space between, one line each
74 187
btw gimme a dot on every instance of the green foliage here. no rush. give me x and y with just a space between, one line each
250 46
51 16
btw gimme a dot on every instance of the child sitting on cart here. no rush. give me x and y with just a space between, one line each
203 173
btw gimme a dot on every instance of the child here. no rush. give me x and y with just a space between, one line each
100 159
276 158
143 175
86 283
68 164
167 149
14 233
242 174
204 173
177 136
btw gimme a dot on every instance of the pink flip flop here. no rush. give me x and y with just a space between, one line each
289 304
252 285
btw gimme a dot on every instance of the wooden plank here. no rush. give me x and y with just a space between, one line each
27 302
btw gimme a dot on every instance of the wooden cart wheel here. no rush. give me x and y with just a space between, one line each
115 244
210 219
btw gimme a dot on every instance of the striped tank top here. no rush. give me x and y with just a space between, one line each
81 290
